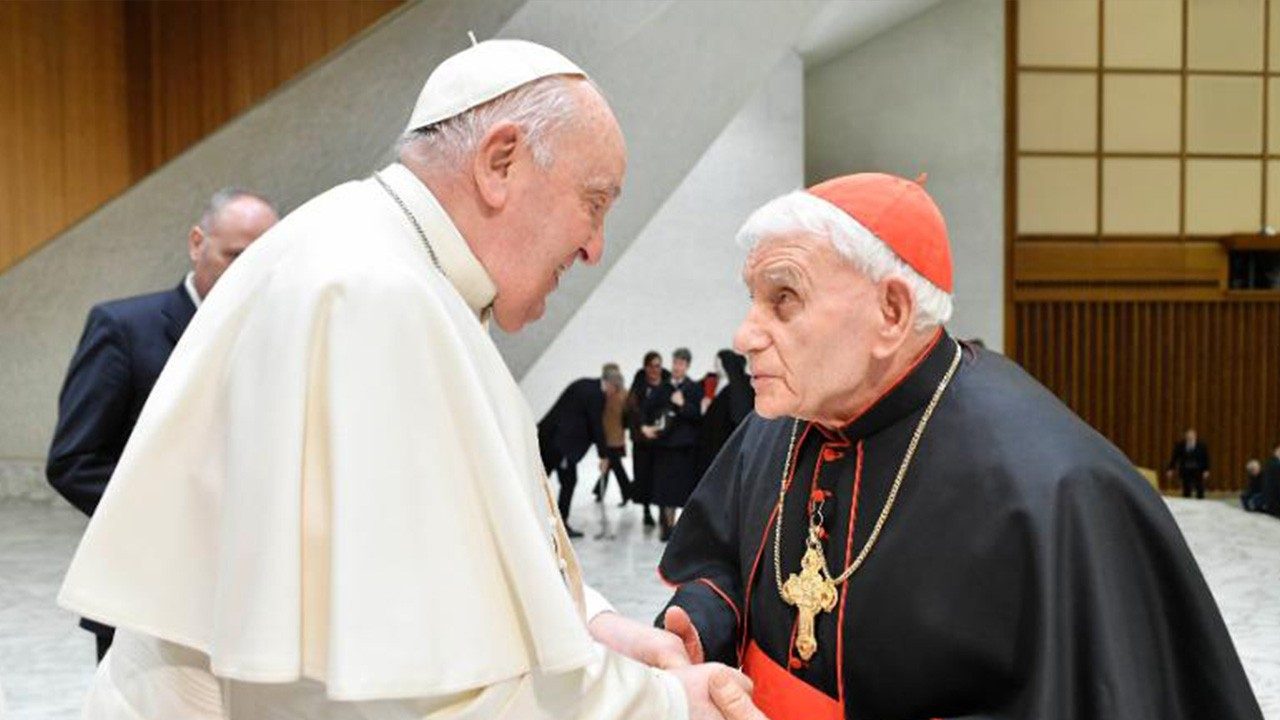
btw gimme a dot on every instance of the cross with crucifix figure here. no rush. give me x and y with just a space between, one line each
812 591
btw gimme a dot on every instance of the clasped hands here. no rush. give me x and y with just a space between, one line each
715 691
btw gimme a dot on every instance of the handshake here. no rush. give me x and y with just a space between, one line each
714 691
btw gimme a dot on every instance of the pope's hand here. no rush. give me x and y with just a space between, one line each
732 699
708 686
677 621
639 641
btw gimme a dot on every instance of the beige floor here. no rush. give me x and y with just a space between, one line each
46 660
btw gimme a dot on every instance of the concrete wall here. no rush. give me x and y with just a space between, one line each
678 283
928 96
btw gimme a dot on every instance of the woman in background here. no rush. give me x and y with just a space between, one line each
644 407
729 408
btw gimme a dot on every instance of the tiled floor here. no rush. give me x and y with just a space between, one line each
46 660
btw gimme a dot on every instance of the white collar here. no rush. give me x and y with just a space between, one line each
460 265
189 282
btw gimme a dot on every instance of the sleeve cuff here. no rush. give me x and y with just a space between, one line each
677 703
594 603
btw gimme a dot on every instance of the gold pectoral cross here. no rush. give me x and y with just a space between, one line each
812 591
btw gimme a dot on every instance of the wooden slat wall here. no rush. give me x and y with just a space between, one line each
210 61
63 117
95 94
1141 372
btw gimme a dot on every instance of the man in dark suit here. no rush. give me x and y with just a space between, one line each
125 345
1190 460
572 425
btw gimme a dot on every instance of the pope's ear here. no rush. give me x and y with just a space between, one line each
493 162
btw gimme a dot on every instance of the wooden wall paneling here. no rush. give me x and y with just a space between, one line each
41 154
1147 262
1109 350
1250 402
140 92
1167 380
1146 368
181 89
9 179
1052 332
1268 340
96 94
1268 411
94 107
1141 372
1236 429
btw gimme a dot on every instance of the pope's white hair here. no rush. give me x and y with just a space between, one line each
800 211
539 108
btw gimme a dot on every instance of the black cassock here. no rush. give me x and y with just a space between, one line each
1026 571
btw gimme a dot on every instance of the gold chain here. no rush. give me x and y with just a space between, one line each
888 504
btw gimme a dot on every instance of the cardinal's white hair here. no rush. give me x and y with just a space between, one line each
539 108
800 211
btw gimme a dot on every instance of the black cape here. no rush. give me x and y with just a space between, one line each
1026 571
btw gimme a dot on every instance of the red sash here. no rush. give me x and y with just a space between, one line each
781 695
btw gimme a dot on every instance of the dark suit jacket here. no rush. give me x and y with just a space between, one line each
574 423
683 421
124 346
644 405
1189 463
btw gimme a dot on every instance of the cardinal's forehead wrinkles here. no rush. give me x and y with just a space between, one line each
781 274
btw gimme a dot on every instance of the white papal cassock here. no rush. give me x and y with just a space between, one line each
333 503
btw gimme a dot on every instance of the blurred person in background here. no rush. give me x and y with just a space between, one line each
573 424
615 436
1190 462
676 462
1252 498
644 408
1271 483
729 408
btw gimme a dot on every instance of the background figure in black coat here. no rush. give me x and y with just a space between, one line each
1271 483
644 407
729 408
1252 497
124 347
1190 460
676 460
571 426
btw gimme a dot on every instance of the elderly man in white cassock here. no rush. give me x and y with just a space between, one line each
333 504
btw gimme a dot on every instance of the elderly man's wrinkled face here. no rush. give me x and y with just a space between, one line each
808 334
561 209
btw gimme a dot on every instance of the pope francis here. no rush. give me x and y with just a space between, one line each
333 505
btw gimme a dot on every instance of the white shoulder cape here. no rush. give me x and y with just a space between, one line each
336 477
